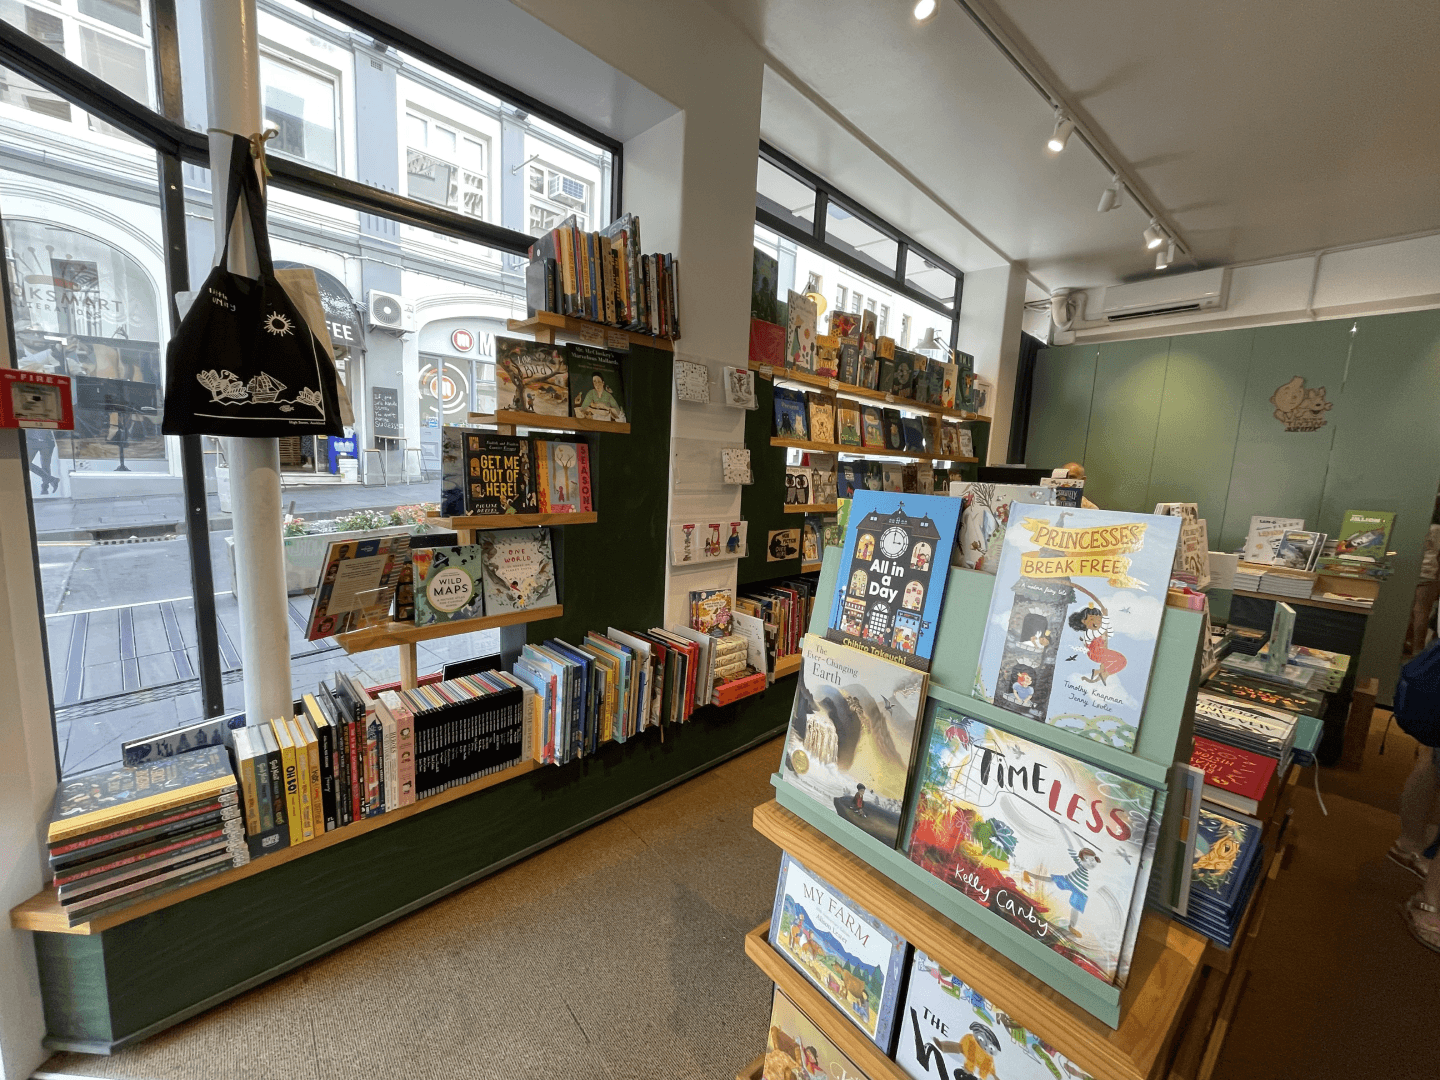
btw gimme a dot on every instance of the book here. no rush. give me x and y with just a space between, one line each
852 733
869 361
920 381
800 334
790 408
1234 778
517 570
797 485
893 570
357 585
181 740
447 584
1074 618
1045 841
894 430
849 361
1297 549
531 376
739 384
767 344
1364 536
710 609
948 1029
795 1047
562 477
596 385
1227 845
1257 691
849 955
1264 536
984 515
764 288
913 428
822 417
950 381
485 473
872 432
847 423
827 356
844 324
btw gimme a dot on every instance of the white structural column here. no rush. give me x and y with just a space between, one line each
232 77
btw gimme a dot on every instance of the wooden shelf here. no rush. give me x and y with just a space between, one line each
1359 608
848 1039
787 665
541 422
1166 963
546 324
811 567
864 393
42 912
388 635
861 451
513 521
812 508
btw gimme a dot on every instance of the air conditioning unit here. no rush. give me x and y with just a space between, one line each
1204 290
567 190
386 311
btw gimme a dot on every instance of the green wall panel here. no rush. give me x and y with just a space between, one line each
1060 405
1125 414
1199 418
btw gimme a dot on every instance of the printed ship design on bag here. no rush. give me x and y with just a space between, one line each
226 389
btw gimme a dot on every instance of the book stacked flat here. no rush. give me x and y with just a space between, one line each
1248 578
1330 666
121 835
1229 858
1244 724
1236 779
1292 675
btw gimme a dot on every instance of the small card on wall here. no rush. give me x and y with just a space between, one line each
692 382
740 388
783 544
695 542
735 463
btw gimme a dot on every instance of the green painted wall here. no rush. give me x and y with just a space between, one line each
1189 418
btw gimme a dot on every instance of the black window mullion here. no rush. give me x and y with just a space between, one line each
902 253
822 213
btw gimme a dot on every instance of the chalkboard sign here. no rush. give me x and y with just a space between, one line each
385 412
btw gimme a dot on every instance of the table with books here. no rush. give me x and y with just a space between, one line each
987 812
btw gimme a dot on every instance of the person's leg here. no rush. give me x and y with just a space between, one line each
1422 911
1425 594
1417 799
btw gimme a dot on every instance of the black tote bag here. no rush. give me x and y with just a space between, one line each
244 361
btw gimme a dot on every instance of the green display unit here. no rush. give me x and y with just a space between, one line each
1165 727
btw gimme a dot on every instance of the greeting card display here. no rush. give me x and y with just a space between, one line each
698 542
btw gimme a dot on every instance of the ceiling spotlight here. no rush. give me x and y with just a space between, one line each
925 10
1061 135
1111 197
1153 236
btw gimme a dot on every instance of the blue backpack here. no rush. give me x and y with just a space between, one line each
1417 697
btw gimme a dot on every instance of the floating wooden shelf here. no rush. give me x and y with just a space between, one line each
1359 607
787 665
862 451
546 324
513 521
541 422
812 508
811 567
388 635
864 393
43 911
1166 963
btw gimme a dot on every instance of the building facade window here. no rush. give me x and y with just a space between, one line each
300 104
553 195
445 165
884 321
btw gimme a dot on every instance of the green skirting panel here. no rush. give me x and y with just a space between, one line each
136 979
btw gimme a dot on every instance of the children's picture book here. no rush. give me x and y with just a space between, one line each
984 515
827 356
795 1047
1264 537
949 1030
1227 845
892 476
1364 535
1235 778
894 430
735 465
950 379
764 288
892 574
914 429
562 477
710 608
810 538
847 423
872 432
518 569
848 954
767 344
844 324
447 584
597 389
1074 617
357 585
800 337
740 388
1298 549
797 485
850 361
967 443
485 473
822 417
920 386
531 376
853 727
692 382
790 410
822 480
1047 842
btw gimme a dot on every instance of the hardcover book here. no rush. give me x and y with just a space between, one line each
849 361
827 356
800 335
597 390
1364 536
518 570
872 432
949 1030
822 417
485 473
790 407
764 288
984 515
1238 777
914 433
847 423
104 797
894 430
893 570
797 485
166 744
447 584
848 954
562 477
1046 841
1257 691
1225 849
767 344
852 734
1074 617
903 380
739 384
530 376
950 380
1264 537
844 324
920 388
795 1047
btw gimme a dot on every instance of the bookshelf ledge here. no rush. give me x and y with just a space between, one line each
856 451
811 567
514 521
388 635
787 665
812 508
545 324
864 393
541 422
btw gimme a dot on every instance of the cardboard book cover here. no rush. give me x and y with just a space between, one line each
984 515
485 473
562 480
1364 535
764 291
767 344
893 571
790 410
357 585
447 584
1074 618
849 955
949 1030
1232 769
853 727
800 334
518 570
796 1048
1045 841
597 388
531 376
93 800
1226 846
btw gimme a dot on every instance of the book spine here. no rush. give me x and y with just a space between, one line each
542 479
317 801
405 745
250 788
292 783
302 784
582 465
264 795
355 740
280 806
392 764
374 763
325 749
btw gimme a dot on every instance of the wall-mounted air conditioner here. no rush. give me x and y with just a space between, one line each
567 190
1204 290
386 311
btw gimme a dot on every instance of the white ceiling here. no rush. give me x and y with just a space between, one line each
1259 130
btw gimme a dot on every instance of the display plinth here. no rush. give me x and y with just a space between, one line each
1166 963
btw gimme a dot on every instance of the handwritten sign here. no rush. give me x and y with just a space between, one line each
617 340
385 413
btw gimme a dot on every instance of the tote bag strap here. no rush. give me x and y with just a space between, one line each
244 181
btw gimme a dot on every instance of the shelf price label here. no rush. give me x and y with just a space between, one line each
764 369
617 340
889 399
833 384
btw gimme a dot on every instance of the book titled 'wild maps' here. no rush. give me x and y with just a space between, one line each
852 734
1047 842
1070 638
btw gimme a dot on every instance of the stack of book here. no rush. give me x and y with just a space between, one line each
1292 675
1292 583
1329 666
1244 724
784 609
121 835
1248 578
1229 858
1237 779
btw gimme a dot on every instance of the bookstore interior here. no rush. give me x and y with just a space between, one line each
423 608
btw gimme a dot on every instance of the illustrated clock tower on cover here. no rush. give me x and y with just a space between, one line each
888 579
